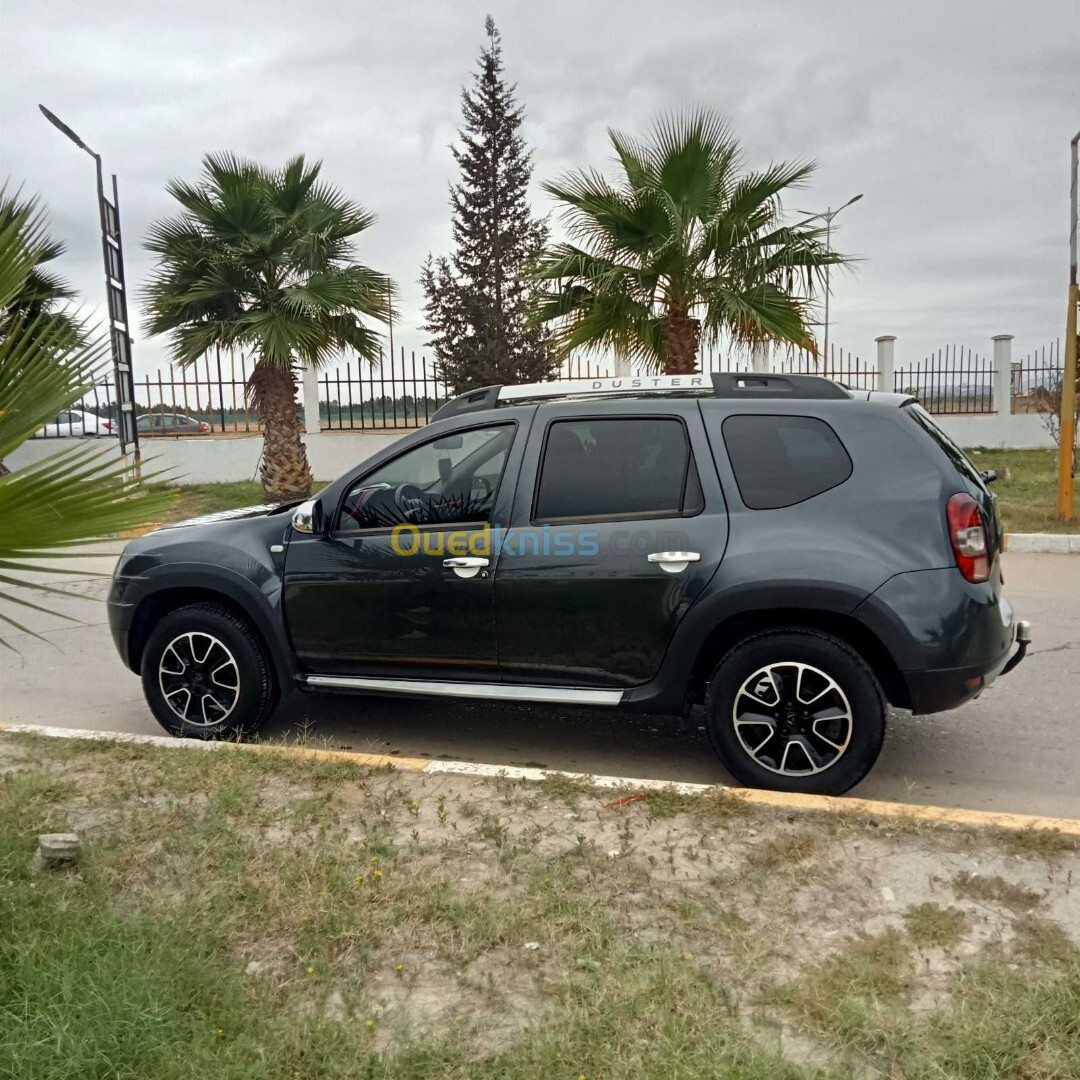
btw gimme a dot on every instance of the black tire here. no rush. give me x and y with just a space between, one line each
817 659
216 709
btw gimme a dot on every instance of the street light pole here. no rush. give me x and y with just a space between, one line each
1066 495
827 216
112 252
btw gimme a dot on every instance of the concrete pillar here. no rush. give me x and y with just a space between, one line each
886 362
1003 374
759 357
311 401
622 367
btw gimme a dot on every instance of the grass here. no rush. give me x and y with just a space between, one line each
933 926
1027 501
995 889
194 500
249 915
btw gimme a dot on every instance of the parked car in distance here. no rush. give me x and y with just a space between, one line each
74 424
776 555
156 423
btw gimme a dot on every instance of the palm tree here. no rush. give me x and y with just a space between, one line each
683 248
43 293
47 364
261 259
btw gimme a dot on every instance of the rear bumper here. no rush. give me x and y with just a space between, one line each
946 688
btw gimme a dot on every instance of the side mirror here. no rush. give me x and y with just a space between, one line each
308 517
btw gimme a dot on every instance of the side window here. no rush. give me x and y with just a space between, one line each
450 480
782 460
632 467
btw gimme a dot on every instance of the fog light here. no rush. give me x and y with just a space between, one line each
973 684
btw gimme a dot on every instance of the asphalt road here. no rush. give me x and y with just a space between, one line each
1017 748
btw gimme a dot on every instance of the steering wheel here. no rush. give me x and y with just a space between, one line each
409 500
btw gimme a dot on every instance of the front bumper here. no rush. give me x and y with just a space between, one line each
946 688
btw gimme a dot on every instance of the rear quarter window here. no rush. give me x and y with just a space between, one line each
783 460
957 458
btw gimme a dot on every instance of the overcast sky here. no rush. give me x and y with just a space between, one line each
953 117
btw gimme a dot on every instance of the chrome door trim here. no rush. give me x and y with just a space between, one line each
557 695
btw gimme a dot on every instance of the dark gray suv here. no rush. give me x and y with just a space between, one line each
779 553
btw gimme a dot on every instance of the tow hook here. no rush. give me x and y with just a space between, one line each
1023 639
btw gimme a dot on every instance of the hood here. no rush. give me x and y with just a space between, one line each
236 514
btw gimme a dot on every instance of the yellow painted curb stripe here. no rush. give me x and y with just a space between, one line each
142 530
944 815
374 761
939 815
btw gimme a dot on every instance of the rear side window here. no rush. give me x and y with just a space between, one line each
618 467
782 460
956 456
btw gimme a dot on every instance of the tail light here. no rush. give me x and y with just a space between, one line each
203 426
106 425
968 536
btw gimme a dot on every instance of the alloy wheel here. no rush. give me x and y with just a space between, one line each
792 719
199 678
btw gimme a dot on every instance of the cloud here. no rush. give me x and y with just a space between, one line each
953 119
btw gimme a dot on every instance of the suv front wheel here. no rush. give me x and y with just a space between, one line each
206 675
795 710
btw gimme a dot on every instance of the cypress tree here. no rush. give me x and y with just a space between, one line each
477 300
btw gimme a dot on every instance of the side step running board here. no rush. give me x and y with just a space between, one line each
555 695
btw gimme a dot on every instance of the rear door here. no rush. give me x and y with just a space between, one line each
590 585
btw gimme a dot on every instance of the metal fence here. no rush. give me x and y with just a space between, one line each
211 392
1036 380
402 392
842 365
955 379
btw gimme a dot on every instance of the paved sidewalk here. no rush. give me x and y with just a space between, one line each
1015 749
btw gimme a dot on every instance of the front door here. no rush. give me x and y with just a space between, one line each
590 588
402 585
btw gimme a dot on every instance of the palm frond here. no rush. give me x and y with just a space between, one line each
682 231
74 494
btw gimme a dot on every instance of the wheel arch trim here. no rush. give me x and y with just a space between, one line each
164 589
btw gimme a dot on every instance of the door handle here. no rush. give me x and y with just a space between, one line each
674 562
466 566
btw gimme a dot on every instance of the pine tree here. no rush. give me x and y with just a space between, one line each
477 300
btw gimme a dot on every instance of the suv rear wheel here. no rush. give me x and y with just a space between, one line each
795 710
206 675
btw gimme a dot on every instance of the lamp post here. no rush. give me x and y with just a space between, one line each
827 216
1066 506
115 293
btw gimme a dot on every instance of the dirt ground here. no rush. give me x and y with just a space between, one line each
498 923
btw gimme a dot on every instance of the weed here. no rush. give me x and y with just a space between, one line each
993 889
491 828
785 851
931 926
562 788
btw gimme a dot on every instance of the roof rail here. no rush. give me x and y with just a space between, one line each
754 385
486 397
718 384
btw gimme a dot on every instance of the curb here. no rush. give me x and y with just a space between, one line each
938 815
1044 543
142 530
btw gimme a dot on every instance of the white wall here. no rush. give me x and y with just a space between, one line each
198 459
205 459
1011 431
